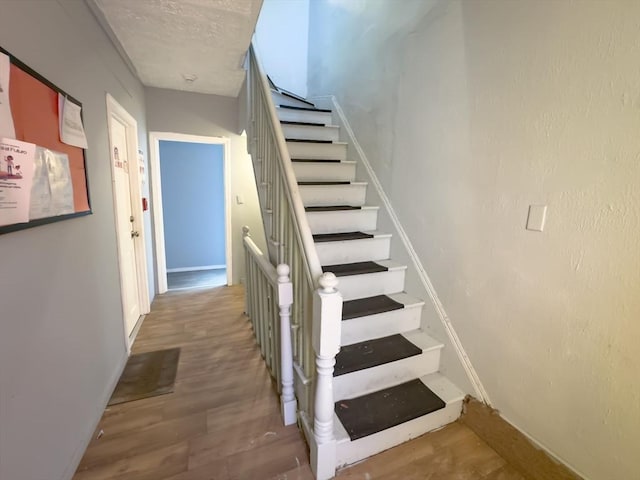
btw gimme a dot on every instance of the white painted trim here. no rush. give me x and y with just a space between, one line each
480 391
156 197
114 109
98 411
196 269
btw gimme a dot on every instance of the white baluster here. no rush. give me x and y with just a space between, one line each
247 268
327 320
285 299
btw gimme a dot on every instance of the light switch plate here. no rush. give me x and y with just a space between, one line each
537 217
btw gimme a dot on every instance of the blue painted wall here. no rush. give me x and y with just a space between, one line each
193 203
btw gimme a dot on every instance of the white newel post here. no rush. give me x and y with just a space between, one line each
327 318
247 275
285 299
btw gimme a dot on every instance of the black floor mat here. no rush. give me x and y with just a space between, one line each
369 306
386 408
372 353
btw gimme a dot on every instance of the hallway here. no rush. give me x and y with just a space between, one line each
222 422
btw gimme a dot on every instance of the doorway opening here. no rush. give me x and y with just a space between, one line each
191 210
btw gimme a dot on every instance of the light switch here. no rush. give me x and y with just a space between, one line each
537 217
239 199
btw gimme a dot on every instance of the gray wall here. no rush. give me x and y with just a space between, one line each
61 328
470 111
215 116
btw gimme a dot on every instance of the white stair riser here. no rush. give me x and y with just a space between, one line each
310 132
351 251
289 115
371 284
329 195
320 151
309 171
380 325
279 99
343 221
353 451
360 383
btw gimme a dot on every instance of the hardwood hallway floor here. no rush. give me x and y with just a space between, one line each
222 422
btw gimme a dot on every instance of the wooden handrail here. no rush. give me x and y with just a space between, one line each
293 192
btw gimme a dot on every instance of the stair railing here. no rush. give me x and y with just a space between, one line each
269 297
317 305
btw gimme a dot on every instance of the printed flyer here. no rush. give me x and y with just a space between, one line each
6 118
16 177
51 190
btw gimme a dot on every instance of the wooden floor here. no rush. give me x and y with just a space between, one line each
222 422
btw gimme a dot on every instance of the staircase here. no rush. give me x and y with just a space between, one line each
387 387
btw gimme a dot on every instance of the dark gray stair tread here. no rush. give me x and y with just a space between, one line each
337 237
372 353
327 160
295 97
306 124
358 268
305 109
362 307
305 140
324 183
386 408
331 209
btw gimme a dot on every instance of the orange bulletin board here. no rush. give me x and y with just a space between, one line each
34 108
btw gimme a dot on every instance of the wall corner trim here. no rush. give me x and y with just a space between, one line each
479 389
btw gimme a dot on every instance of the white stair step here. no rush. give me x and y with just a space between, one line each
282 99
311 132
311 171
350 251
292 115
318 151
352 194
361 382
363 328
349 451
341 221
371 284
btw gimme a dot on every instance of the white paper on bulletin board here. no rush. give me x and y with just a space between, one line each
52 190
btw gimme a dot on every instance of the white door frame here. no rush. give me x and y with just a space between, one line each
114 109
156 195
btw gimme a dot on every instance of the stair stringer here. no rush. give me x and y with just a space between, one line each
454 361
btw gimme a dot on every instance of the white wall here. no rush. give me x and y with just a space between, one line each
470 111
213 115
61 328
281 37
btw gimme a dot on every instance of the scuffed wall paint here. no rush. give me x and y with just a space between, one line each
470 111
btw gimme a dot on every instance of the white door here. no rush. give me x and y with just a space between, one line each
126 223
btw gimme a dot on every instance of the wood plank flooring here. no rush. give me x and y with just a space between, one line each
222 422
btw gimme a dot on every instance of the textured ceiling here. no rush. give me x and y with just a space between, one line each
170 40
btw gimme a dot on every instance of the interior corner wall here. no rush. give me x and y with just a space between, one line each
470 111
281 38
61 328
214 116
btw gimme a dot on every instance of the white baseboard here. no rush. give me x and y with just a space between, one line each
101 407
195 269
